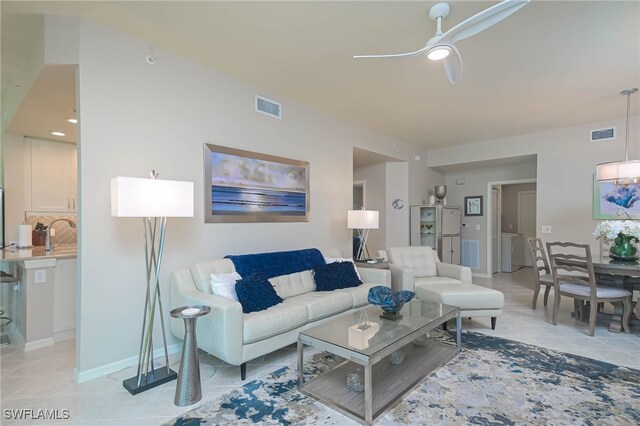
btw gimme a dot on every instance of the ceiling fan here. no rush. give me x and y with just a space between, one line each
442 47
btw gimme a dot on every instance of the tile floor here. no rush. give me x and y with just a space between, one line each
43 378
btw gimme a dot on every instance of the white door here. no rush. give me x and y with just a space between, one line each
495 232
526 222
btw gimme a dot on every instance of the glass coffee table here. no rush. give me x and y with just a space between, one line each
389 364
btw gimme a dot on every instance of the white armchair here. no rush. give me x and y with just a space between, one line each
415 265
418 269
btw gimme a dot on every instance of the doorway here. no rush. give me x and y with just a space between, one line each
513 217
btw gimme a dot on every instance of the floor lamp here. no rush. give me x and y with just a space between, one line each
362 221
153 200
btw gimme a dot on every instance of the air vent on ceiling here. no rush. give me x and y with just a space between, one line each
603 134
268 107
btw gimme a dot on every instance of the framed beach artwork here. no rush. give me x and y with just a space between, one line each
615 201
245 186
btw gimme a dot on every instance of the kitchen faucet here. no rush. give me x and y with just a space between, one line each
47 241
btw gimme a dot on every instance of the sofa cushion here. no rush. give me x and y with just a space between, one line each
270 322
293 284
277 263
358 294
343 259
436 280
224 285
333 276
201 272
465 296
421 260
322 304
255 293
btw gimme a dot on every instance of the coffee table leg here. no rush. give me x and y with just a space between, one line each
458 330
368 394
300 362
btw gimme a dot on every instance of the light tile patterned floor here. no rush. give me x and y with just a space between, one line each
43 378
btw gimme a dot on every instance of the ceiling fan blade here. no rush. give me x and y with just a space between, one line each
484 20
453 65
395 55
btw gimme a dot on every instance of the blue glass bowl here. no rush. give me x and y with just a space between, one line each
390 301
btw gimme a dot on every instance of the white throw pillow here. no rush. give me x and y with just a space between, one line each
224 285
343 259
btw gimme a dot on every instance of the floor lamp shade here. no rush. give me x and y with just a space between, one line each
139 197
363 219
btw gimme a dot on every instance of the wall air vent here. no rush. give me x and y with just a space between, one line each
601 135
268 107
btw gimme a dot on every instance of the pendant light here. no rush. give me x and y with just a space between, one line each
621 172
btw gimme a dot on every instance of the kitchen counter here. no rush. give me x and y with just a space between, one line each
60 251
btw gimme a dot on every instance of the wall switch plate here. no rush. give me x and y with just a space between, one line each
460 181
477 227
510 227
52 232
546 229
40 276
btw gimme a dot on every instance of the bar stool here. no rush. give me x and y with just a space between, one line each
5 321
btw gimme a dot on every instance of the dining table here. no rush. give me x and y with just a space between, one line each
617 273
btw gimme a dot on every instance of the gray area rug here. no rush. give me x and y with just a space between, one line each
493 381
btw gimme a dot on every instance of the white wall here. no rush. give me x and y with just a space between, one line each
566 163
136 117
375 196
476 181
396 220
16 172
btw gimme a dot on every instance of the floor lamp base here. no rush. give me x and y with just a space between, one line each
155 378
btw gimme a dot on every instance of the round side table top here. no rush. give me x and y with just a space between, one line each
193 311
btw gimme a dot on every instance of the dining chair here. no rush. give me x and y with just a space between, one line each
573 276
541 272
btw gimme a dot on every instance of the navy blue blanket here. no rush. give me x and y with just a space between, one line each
277 263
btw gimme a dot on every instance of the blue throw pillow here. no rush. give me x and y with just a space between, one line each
255 293
336 275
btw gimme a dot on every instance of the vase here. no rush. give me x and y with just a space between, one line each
623 248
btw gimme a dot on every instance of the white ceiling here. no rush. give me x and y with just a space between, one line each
551 64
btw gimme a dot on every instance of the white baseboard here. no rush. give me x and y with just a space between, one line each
38 344
477 274
94 373
61 336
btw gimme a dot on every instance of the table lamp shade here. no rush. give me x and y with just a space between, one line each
139 197
362 219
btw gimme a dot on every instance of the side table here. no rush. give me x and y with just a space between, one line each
375 265
189 388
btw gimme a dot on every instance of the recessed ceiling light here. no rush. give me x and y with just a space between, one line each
72 120
58 134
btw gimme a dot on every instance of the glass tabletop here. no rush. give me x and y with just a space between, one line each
343 331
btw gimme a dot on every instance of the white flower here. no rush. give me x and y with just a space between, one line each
609 230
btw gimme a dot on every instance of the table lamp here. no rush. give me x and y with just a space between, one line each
362 221
153 200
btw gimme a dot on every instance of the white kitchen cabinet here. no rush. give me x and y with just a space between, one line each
64 299
53 176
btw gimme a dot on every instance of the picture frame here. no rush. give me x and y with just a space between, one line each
473 205
246 186
612 201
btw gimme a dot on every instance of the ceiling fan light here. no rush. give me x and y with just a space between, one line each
437 53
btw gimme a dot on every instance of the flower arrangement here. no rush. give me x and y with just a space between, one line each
609 230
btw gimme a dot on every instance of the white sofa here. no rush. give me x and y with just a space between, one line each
235 337
418 269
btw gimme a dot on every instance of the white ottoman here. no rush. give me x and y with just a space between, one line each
473 300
